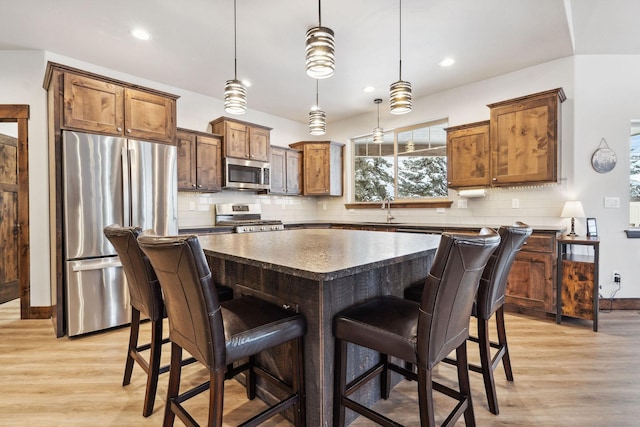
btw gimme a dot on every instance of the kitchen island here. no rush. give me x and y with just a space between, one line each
318 272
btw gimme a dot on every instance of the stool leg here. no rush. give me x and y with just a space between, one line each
216 398
502 340
251 379
425 397
340 382
487 365
465 385
173 388
385 377
154 367
133 343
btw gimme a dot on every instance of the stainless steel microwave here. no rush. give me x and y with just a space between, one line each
243 174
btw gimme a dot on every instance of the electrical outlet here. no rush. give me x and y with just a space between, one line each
615 276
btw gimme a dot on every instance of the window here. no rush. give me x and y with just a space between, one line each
411 163
634 174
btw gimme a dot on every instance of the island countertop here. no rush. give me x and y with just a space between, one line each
319 254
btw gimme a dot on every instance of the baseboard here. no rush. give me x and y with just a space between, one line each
39 312
620 304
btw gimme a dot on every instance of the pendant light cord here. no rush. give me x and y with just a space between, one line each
317 103
400 39
319 13
235 43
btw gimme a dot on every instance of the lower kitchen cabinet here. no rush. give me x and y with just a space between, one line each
532 281
199 161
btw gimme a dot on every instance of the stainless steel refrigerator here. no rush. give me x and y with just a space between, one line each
109 180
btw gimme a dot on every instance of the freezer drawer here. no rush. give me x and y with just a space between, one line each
97 295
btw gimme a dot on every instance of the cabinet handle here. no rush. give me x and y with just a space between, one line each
494 179
193 185
128 130
199 185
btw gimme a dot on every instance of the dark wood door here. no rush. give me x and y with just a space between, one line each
9 287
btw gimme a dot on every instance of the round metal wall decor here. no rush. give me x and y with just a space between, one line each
604 158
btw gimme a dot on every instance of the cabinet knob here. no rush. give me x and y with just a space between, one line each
199 185
193 185
128 130
494 179
119 129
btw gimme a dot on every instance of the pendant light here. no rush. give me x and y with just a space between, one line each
320 50
317 118
400 91
378 132
235 93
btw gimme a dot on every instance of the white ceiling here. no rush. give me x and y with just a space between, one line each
192 45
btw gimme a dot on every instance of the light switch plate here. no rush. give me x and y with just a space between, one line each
515 203
612 202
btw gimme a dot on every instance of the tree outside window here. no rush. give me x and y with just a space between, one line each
411 163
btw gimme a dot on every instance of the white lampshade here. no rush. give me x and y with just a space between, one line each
572 209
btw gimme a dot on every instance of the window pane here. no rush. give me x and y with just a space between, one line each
634 175
373 169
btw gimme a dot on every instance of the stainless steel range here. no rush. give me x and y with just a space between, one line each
245 217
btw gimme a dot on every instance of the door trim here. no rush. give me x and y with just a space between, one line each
20 114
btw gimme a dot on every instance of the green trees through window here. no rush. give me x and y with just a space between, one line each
411 163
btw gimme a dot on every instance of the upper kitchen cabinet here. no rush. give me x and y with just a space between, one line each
525 138
321 167
468 155
199 161
243 140
93 103
285 171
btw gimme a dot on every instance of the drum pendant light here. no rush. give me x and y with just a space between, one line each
320 50
400 91
235 93
378 132
317 118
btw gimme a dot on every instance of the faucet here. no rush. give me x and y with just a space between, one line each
387 202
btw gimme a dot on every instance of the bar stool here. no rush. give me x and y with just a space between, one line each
146 301
489 300
218 335
422 334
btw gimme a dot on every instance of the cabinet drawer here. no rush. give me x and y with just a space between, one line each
540 243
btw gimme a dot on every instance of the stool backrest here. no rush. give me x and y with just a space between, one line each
449 292
144 289
190 296
493 283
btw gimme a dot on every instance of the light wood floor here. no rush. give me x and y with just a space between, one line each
565 375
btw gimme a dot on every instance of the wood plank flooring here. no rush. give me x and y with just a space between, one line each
565 375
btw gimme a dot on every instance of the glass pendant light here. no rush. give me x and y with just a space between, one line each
317 118
400 91
235 93
378 132
320 50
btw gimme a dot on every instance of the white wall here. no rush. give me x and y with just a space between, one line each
602 98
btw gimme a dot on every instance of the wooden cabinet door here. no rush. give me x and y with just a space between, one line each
259 144
186 144
293 176
316 169
209 163
92 105
468 155
236 140
524 139
149 116
530 282
278 171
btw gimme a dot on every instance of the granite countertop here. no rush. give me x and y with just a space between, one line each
418 226
319 254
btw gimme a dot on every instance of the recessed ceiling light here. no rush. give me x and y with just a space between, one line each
140 34
368 89
446 62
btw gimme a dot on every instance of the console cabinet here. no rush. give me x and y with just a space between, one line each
243 140
286 165
321 167
199 161
97 104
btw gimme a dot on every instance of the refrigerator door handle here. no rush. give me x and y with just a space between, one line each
126 193
96 265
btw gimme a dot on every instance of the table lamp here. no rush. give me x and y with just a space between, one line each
572 209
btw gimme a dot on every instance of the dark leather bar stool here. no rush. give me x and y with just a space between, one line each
422 334
146 301
489 300
218 334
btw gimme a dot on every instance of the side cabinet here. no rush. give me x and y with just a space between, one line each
531 283
199 161
321 167
285 171
468 155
